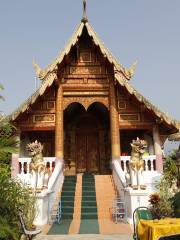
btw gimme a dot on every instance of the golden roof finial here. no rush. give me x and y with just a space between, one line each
38 70
84 18
130 72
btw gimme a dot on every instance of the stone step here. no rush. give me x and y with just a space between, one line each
89 198
86 237
88 203
67 198
104 205
88 215
67 204
88 193
68 187
66 216
67 193
88 210
75 224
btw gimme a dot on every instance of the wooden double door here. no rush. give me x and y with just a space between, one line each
87 151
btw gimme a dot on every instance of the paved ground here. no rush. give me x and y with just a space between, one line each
86 237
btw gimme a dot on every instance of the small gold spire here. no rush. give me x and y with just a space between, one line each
84 18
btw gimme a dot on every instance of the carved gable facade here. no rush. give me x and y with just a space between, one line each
85 110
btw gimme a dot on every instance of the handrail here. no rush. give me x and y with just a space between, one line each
119 172
57 171
55 184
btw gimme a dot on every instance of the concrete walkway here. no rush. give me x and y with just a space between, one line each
86 237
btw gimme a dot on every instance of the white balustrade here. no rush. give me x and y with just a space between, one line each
149 163
135 198
24 167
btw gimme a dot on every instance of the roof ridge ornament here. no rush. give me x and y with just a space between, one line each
39 72
131 71
84 18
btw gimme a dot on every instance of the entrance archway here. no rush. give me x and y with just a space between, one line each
87 144
87 141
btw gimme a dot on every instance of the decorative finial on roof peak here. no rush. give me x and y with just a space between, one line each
38 70
84 18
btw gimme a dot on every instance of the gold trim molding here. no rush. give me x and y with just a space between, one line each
85 101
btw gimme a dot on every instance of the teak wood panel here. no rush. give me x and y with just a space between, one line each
87 152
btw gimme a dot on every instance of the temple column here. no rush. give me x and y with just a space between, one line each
114 125
15 156
157 149
59 131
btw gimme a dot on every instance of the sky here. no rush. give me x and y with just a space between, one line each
142 30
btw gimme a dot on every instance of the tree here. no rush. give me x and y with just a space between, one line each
162 201
8 142
14 196
170 169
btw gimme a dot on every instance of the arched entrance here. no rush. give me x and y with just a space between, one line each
87 144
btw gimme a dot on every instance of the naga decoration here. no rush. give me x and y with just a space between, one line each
37 165
130 72
137 163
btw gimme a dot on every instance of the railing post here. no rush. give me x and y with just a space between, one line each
151 160
146 164
28 167
157 148
125 166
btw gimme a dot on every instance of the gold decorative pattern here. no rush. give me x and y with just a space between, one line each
114 121
85 70
86 93
122 75
98 81
85 101
85 56
129 117
74 81
44 118
126 72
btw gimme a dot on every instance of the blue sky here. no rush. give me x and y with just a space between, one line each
147 31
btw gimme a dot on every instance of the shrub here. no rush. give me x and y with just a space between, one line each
14 197
170 168
6 231
161 203
176 204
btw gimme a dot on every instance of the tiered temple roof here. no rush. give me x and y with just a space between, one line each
122 76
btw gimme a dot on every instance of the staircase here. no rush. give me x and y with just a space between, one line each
67 197
89 217
86 206
67 207
105 194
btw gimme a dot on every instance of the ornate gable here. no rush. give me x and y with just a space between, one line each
85 63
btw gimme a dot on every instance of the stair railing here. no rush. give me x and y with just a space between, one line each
114 186
56 211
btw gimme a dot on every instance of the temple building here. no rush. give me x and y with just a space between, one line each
86 113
